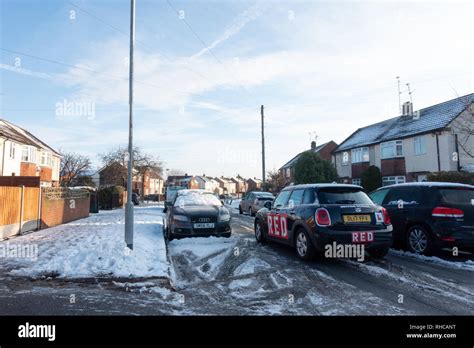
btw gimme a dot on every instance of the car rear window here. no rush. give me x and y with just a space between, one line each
339 195
456 196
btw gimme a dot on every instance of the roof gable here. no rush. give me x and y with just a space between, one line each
292 162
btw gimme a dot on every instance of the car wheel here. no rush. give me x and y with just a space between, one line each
419 240
259 236
378 253
304 247
226 235
240 210
250 212
169 235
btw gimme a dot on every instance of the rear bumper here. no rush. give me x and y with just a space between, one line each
449 234
382 238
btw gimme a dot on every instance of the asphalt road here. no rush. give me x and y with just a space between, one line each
241 277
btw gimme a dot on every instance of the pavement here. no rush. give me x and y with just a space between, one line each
238 276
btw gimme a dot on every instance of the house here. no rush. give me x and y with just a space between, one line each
324 150
254 184
23 154
408 147
185 180
208 183
227 185
240 185
156 185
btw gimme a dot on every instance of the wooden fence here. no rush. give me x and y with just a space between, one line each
19 210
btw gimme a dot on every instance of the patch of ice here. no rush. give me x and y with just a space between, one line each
250 266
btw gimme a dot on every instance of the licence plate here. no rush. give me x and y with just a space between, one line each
204 225
356 218
362 237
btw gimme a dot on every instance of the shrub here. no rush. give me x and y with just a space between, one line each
311 168
458 177
371 179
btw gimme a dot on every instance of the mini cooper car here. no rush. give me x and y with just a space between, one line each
196 213
309 217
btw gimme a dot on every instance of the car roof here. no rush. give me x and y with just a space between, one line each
428 184
188 191
261 192
291 187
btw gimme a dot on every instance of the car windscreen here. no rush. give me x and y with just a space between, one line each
456 195
264 195
340 195
194 199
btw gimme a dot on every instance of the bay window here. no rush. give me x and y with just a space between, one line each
391 149
391 180
28 154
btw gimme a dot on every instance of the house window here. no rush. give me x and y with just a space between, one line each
28 154
356 181
345 158
391 180
419 146
360 155
391 149
288 172
12 150
46 159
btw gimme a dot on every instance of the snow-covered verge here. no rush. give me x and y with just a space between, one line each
465 265
93 247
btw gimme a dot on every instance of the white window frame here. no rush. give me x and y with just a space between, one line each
392 180
30 154
345 158
12 150
357 181
360 154
394 145
419 145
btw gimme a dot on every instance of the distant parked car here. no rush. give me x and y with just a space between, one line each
135 198
254 201
427 216
197 213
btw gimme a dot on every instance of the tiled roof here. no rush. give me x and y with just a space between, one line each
10 131
291 162
431 118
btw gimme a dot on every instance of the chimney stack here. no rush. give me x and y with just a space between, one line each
313 145
407 109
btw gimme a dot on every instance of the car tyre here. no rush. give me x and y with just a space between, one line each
303 245
240 210
251 213
168 234
418 240
378 253
259 232
227 235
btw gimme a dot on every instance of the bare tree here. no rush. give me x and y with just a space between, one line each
464 127
73 166
276 181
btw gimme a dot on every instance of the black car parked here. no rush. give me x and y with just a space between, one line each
196 213
308 217
429 215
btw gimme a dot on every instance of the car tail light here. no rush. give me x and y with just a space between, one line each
322 217
447 212
386 217
448 239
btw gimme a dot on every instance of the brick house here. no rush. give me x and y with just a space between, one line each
208 183
227 185
254 184
240 185
324 151
407 148
185 180
23 154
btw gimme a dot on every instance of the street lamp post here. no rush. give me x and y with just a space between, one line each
129 207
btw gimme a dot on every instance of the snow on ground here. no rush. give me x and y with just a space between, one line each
233 204
95 246
251 266
466 265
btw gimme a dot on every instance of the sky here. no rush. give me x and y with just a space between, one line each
203 68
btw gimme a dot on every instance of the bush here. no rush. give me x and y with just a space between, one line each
311 168
106 196
371 179
458 177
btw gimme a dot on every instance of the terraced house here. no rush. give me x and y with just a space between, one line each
408 147
23 154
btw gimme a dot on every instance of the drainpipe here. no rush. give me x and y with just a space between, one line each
3 157
457 152
437 152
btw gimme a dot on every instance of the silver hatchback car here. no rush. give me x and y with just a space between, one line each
254 201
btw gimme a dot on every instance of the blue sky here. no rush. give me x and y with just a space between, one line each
324 67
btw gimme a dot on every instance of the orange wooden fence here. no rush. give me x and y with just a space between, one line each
19 210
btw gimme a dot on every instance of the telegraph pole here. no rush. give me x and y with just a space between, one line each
263 146
129 207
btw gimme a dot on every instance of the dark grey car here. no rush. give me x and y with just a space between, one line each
254 201
196 213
